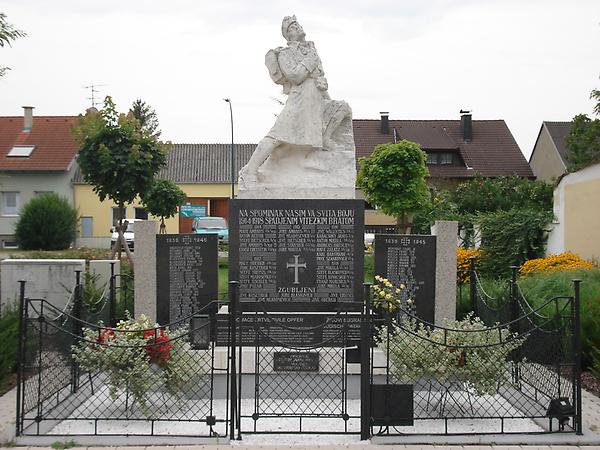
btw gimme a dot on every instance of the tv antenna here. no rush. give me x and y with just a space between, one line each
93 90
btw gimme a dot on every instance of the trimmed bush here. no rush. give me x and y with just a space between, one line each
46 222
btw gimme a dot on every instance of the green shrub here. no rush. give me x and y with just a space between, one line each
369 268
539 288
511 238
46 222
9 343
542 287
498 290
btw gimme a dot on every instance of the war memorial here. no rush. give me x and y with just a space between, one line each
302 344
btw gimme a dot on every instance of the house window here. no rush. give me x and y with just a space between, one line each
87 225
141 213
445 158
118 214
10 204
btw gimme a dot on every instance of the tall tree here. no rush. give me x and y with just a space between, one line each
118 158
8 33
146 116
583 140
393 179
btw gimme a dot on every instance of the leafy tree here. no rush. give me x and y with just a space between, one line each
46 222
482 195
146 116
583 140
393 179
501 194
8 33
118 158
162 200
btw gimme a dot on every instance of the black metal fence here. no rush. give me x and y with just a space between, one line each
232 372
514 370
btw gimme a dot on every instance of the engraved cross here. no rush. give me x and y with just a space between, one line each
296 266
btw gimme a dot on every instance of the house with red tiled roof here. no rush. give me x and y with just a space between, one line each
549 157
37 155
456 150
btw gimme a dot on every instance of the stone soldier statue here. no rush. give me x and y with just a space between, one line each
310 118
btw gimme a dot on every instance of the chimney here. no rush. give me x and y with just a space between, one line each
385 123
27 118
466 125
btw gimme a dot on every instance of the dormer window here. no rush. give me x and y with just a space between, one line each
21 150
441 158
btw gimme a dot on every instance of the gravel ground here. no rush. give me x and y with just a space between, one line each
590 383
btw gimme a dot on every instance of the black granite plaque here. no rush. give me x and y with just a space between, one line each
297 255
186 275
296 361
409 259
293 330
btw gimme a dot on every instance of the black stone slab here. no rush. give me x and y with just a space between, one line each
296 361
297 255
186 274
294 330
409 259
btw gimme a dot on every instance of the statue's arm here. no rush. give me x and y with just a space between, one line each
295 71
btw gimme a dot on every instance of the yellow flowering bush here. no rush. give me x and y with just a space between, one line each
463 256
388 297
552 263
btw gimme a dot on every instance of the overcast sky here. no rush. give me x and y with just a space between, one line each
521 61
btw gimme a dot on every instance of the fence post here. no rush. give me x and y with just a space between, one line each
20 354
233 294
514 316
473 285
112 305
577 356
365 366
77 313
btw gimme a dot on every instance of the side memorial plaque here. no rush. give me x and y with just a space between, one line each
409 260
186 274
297 255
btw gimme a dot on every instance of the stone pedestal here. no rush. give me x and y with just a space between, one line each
145 268
303 172
445 274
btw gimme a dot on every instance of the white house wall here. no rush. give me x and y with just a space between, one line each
577 214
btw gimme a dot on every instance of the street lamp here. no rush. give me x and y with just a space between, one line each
232 154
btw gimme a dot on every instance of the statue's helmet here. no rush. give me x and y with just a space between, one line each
287 21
